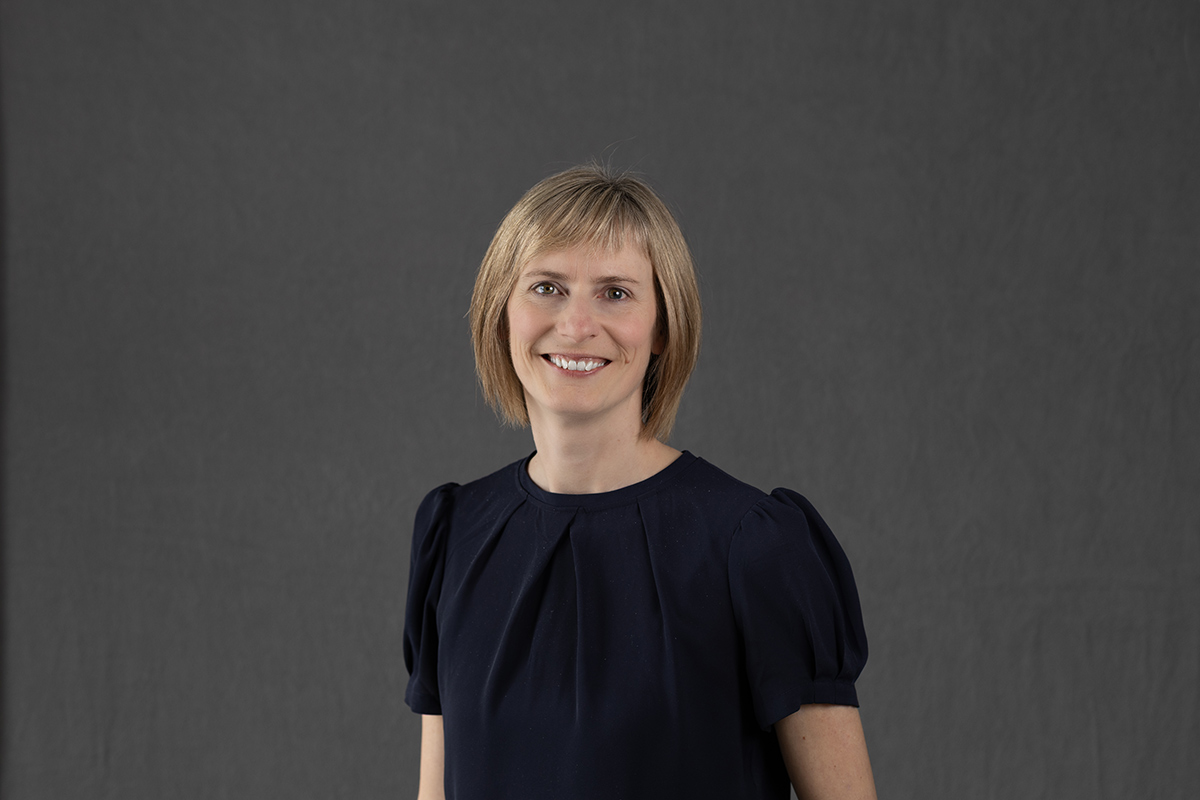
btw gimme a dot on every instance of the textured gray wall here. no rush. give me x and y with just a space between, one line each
949 258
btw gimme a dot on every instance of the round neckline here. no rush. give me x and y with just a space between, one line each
600 499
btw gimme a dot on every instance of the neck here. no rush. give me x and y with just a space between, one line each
593 456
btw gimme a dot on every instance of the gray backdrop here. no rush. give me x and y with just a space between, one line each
949 260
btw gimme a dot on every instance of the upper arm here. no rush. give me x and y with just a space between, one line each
433 758
826 753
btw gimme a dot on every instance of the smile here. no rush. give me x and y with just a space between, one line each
584 364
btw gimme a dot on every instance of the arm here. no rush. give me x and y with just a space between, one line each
433 755
826 753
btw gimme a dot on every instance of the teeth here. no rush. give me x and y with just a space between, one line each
575 366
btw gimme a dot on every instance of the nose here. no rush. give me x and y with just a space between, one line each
577 320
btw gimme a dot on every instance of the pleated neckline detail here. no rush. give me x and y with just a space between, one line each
617 497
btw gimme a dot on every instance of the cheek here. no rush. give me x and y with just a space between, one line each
524 325
641 334
512 319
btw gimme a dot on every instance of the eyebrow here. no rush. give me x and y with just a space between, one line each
558 276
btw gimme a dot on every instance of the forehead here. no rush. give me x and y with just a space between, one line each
629 262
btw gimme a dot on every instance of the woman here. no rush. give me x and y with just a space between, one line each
610 617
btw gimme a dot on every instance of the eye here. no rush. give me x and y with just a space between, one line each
613 293
545 288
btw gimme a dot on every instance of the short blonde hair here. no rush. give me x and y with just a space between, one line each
589 205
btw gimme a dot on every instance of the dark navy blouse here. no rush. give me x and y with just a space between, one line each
638 643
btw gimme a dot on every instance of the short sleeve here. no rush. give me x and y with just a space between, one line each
797 609
424 589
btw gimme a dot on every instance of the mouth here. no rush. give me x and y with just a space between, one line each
578 364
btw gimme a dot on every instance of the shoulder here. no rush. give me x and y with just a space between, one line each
785 529
749 506
782 512
701 500
713 485
783 507
432 521
454 506
752 513
501 483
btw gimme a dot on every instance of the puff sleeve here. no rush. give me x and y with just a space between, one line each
796 607
425 574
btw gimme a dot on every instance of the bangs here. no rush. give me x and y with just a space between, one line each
604 217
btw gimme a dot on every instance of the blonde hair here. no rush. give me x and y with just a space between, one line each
589 205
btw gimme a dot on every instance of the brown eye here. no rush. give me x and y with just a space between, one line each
615 294
544 288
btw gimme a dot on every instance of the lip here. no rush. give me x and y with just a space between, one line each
604 362
576 356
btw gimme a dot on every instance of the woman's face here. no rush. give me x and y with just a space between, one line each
581 330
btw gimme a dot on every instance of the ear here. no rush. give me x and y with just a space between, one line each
659 344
